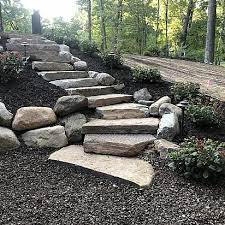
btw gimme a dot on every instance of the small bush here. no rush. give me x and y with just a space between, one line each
88 47
112 60
10 66
199 159
146 74
203 116
183 91
73 43
152 51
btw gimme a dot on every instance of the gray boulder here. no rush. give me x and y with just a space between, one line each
105 79
64 48
144 102
73 126
80 65
142 94
154 108
48 137
93 74
5 116
74 59
8 140
1 49
70 104
166 108
168 127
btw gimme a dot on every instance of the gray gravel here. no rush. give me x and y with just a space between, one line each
36 191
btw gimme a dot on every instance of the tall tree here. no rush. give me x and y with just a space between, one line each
1 21
157 23
103 25
211 31
90 20
167 18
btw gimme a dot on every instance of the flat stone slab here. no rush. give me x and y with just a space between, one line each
59 75
51 66
131 169
123 111
122 126
117 144
91 91
105 100
75 83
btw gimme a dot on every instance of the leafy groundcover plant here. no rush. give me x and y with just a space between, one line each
112 60
199 159
146 74
11 64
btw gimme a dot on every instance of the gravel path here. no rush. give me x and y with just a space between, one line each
36 191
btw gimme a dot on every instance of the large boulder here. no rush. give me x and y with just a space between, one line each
166 108
74 59
80 65
64 48
168 127
142 94
65 56
28 118
105 79
93 74
73 126
70 104
8 140
48 137
5 116
154 108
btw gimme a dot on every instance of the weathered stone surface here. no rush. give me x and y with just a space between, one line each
119 87
59 75
142 94
5 116
143 102
168 127
92 74
1 49
64 48
111 99
8 140
154 108
130 169
65 56
74 59
80 65
70 104
105 79
73 126
166 108
117 144
164 147
91 91
122 126
48 137
75 83
51 66
28 118
122 111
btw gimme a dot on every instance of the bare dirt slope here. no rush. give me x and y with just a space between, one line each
210 77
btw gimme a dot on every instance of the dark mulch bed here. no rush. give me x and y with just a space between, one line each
29 90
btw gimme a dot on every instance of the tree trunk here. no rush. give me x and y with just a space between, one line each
103 28
90 21
118 23
167 41
187 23
157 25
1 21
211 30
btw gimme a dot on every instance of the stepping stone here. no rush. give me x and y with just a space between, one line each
75 83
111 99
51 66
117 144
91 91
130 169
122 111
59 75
122 126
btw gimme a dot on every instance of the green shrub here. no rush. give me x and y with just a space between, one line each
88 47
152 51
146 74
10 66
203 116
112 60
199 159
183 91
73 43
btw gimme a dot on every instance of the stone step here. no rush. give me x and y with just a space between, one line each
117 144
91 91
75 83
122 111
105 100
122 126
59 75
51 66
133 170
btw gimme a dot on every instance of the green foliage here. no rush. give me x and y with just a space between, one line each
88 48
10 66
112 60
152 51
183 91
203 116
199 159
146 74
